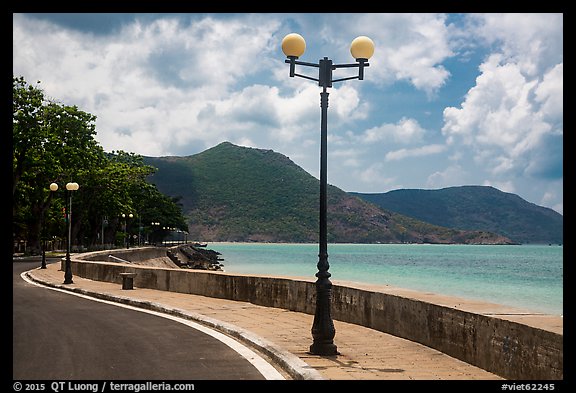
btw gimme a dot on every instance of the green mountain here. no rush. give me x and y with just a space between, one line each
232 193
476 207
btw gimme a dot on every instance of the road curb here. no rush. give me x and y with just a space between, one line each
290 363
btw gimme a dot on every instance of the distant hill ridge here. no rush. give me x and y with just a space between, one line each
233 193
476 207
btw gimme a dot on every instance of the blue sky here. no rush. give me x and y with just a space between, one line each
448 99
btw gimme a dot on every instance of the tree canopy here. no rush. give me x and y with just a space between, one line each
55 143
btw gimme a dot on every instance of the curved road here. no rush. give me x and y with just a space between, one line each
57 336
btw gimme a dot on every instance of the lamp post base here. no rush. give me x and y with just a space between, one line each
323 331
324 349
43 264
68 271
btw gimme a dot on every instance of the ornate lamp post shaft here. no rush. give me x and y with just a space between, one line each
68 198
68 271
68 268
362 48
323 331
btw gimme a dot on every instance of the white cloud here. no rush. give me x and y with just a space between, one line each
375 175
409 47
452 175
506 186
177 80
415 152
532 41
404 131
148 84
511 121
550 198
516 104
550 94
345 103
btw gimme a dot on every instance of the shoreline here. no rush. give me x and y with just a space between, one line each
384 244
294 267
477 306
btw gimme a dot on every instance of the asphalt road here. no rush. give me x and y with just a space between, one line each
58 336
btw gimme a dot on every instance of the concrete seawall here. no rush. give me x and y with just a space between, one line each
512 343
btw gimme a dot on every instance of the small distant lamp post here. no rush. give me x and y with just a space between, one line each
362 49
126 236
43 264
69 188
104 223
155 226
139 229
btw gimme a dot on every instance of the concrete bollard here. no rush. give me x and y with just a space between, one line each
128 280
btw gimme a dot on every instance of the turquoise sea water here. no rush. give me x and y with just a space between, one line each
525 276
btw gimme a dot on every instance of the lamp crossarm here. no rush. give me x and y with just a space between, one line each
288 61
345 79
350 65
307 77
360 65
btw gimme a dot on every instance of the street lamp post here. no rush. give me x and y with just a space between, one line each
43 264
155 226
362 48
104 223
126 235
69 188
139 229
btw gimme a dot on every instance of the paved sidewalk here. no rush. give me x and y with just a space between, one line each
284 336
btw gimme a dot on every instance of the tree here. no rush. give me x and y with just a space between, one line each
53 142
127 191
